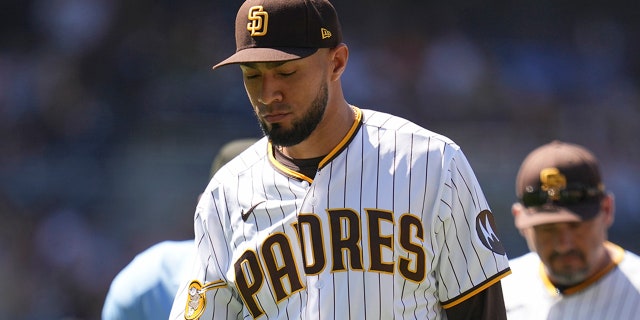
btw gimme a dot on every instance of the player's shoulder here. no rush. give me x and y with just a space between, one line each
524 273
164 250
523 267
248 157
527 259
151 274
148 266
403 128
632 256
629 264
251 156
523 288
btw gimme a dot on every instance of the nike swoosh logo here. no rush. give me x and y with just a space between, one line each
245 215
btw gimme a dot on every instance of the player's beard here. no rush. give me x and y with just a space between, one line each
567 275
301 129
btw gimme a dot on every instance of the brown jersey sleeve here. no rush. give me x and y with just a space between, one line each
486 305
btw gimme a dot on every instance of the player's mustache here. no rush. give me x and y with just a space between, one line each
265 110
571 253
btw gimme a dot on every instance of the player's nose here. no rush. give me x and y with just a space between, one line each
270 91
564 241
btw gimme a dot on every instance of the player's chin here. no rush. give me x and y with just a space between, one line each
569 262
273 129
285 138
569 277
569 270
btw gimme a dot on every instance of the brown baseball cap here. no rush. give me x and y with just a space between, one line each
558 182
281 30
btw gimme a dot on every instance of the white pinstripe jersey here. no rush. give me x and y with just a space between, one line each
615 294
393 225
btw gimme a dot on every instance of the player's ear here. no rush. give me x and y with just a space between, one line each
339 56
516 209
607 205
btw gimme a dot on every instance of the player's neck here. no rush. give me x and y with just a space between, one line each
335 125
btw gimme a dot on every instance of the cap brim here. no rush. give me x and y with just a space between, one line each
534 216
266 55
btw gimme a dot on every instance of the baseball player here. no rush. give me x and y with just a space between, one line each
573 272
338 212
145 288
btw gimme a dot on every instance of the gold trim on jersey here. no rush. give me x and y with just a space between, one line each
197 299
617 254
336 150
473 292
282 168
347 138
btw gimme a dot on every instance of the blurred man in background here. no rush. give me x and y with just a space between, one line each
573 272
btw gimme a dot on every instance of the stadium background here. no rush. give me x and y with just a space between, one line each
110 116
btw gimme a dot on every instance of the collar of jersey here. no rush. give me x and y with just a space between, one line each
330 156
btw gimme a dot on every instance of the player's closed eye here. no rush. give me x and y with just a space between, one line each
287 73
555 227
